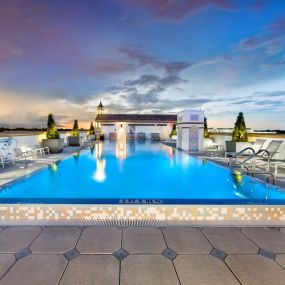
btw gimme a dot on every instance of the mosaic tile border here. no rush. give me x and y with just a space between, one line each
50 214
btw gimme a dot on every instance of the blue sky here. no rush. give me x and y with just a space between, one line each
142 56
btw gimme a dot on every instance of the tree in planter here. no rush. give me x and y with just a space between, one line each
206 132
173 131
75 131
91 130
239 133
52 132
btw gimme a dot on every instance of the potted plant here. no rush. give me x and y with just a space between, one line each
206 132
74 139
92 136
208 143
239 136
53 141
173 134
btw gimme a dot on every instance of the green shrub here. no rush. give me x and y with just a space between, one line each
52 132
75 130
91 130
206 132
173 132
239 133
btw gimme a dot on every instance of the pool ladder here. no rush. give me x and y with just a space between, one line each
249 165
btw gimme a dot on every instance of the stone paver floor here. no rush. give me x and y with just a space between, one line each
146 255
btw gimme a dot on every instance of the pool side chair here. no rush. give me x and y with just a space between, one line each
86 142
2 161
141 136
41 150
272 149
276 165
20 154
5 159
257 145
155 136
261 159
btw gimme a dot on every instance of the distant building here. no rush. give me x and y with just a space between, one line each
134 126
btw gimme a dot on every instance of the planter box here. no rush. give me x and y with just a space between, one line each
73 141
54 145
237 146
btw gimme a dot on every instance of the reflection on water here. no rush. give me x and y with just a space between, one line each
236 178
121 149
92 147
171 154
99 174
76 156
54 167
98 150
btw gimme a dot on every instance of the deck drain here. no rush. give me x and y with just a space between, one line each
121 254
71 254
266 253
169 253
218 254
23 253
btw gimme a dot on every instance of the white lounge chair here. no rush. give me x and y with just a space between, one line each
6 157
257 145
20 154
41 150
262 161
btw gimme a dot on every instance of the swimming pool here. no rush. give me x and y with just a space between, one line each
138 173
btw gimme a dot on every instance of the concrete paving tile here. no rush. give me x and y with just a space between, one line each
43 269
143 240
92 269
148 269
267 238
56 240
282 230
229 240
280 258
186 240
6 261
13 239
100 240
203 269
256 270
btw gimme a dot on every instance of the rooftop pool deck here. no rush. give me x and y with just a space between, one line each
131 183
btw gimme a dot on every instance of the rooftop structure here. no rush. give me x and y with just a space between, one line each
158 126
136 118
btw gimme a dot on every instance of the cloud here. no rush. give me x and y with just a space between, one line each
277 63
267 94
176 10
138 55
271 39
109 67
150 79
145 89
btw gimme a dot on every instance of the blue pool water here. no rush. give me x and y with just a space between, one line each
138 173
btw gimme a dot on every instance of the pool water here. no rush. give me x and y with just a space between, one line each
138 172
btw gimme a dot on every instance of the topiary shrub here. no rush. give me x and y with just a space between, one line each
52 132
91 130
173 131
206 132
75 130
239 133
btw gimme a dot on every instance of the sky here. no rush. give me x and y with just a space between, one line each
142 56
